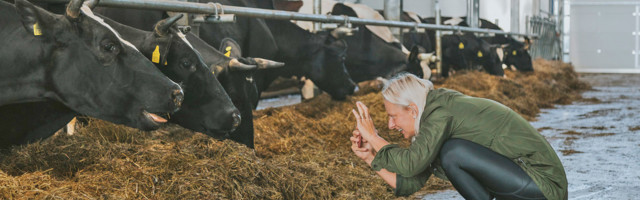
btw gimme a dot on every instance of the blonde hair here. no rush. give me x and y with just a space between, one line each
404 89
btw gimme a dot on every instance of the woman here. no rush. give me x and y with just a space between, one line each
484 148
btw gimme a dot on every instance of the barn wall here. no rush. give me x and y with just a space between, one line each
491 10
604 36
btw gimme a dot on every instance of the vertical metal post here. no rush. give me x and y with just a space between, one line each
317 9
551 11
566 42
535 7
473 13
438 40
515 16
392 12
637 36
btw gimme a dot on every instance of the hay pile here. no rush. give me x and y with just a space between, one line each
302 151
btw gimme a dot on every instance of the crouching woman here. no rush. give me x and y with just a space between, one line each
485 149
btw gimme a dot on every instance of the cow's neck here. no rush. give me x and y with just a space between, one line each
295 45
24 62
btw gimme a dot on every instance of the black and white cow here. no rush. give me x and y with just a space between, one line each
318 56
459 51
516 53
79 61
370 56
206 107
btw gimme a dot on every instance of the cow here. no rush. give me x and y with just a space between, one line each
238 80
319 57
81 62
459 51
371 56
206 107
516 53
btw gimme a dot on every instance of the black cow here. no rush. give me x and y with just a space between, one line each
319 57
80 62
369 56
515 52
206 107
238 80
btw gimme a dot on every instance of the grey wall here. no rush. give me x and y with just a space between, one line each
604 36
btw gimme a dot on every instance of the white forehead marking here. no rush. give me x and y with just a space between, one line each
87 11
183 37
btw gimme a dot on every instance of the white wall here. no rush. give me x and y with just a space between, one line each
489 9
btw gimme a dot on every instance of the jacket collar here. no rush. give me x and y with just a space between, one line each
431 102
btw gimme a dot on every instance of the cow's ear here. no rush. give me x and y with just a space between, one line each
413 55
33 18
293 6
527 43
339 45
230 48
341 9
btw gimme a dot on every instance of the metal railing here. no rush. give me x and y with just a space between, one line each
547 45
215 8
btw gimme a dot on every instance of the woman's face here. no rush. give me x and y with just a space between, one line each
401 118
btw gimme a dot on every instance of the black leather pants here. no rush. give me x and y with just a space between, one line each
480 173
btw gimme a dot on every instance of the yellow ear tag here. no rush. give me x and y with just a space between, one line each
36 29
514 52
228 53
165 63
155 57
461 46
479 54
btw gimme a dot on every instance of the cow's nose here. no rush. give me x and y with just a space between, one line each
178 96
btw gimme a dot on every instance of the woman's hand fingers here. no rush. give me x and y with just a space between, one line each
365 110
357 116
356 133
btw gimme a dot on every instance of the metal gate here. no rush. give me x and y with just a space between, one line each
547 45
604 36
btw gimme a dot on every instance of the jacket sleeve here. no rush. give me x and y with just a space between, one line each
406 186
409 162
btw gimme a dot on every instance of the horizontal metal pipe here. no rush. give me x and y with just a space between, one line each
202 8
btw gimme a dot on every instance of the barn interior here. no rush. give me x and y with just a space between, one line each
581 94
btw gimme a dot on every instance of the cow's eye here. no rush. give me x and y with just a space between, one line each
110 47
186 64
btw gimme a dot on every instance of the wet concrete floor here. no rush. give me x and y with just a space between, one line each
597 139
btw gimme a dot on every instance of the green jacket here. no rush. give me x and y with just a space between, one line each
450 114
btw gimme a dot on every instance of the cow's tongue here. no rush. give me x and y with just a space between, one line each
157 118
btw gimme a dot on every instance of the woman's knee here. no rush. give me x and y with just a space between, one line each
453 151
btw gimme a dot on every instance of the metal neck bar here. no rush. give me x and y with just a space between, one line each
210 8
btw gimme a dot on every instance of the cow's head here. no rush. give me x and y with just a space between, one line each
207 108
516 53
416 65
237 77
487 56
93 71
327 68
370 56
